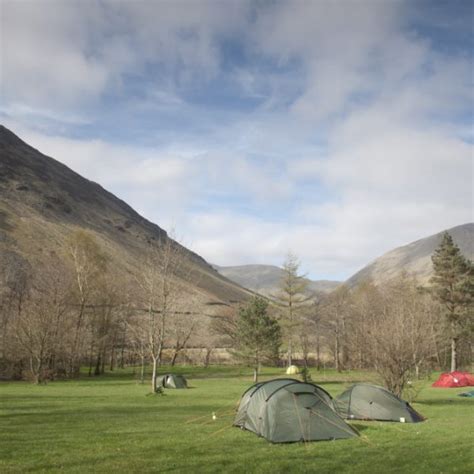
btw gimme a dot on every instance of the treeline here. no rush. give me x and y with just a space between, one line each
397 329
401 329
75 309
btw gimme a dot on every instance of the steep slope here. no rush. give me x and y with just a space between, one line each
414 258
42 201
265 279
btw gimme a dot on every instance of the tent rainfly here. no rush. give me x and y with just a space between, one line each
173 381
371 402
287 410
454 379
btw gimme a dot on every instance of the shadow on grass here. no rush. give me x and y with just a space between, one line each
358 427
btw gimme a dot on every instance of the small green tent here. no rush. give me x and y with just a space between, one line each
173 381
371 402
287 410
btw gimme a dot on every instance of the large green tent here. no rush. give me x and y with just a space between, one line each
173 381
287 410
370 402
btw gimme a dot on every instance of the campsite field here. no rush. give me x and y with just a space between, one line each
110 424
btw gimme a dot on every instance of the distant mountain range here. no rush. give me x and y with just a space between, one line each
414 258
265 279
42 202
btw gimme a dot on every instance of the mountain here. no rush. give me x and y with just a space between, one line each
414 258
265 279
42 202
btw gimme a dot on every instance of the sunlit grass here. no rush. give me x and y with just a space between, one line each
110 424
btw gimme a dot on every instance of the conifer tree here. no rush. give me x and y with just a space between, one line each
453 287
291 297
258 335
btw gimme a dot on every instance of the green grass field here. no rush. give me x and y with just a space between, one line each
109 424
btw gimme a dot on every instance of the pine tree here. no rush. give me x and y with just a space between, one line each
258 335
453 287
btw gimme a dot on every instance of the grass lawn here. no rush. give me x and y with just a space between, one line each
109 424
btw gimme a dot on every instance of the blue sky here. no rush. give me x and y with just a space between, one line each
334 129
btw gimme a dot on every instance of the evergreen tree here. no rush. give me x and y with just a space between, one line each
258 334
453 287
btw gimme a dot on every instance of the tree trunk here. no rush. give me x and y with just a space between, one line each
318 352
208 357
34 373
112 358
344 350
336 351
290 338
122 356
98 364
142 372
153 376
73 369
454 353
255 374
175 356
102 367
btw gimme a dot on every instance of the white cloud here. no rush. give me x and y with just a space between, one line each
335 131
71 53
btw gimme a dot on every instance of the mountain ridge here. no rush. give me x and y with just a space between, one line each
265 279
414 257
42 201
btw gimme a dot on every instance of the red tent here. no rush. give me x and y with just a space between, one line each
455 379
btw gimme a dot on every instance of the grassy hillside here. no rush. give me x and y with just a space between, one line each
414 258
110 424
42 202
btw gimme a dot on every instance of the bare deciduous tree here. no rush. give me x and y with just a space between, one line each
161 289
89 265
183 326
398 337
337 311
41 327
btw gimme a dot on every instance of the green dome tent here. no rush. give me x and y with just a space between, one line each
287 410
370 402
173 381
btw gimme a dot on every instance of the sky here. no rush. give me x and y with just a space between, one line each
336 130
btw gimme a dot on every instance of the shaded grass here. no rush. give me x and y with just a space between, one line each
109 424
